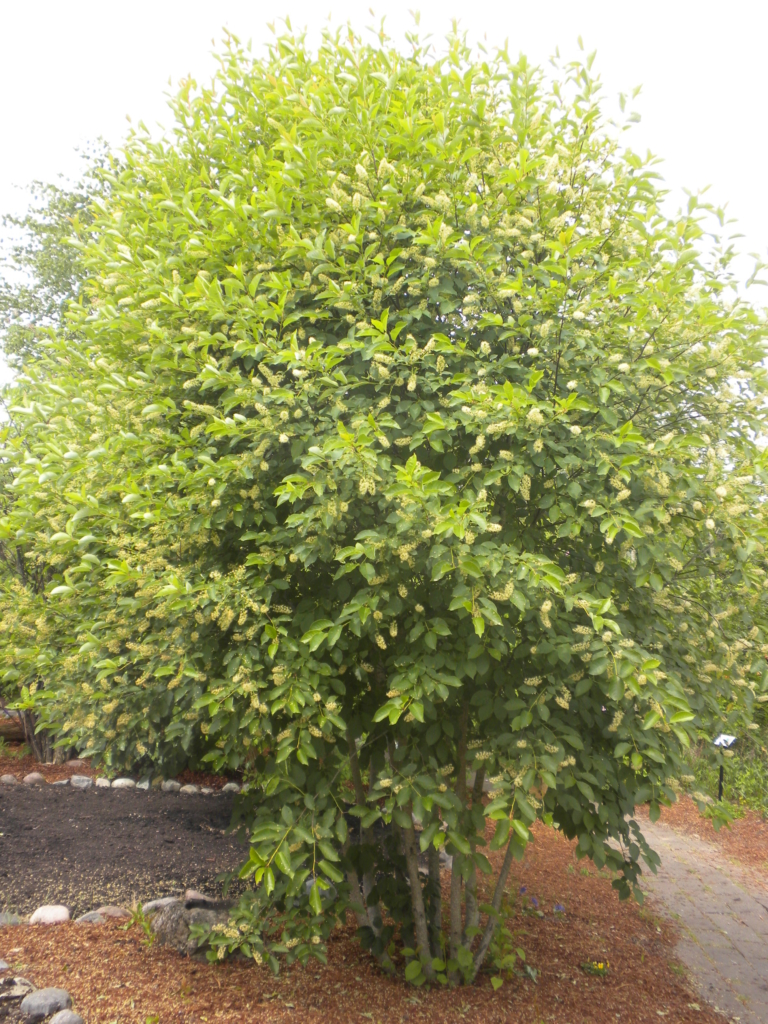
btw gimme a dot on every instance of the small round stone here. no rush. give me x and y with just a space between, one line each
231 787
81 781
34 779
115 912
66 1017
51 913
9 780
153 906
189 790
207 790
124 784
171 786
103 783
92 917
42 1003
197 897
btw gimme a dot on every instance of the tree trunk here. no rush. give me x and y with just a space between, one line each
39 742
435 902
472 914
492 924
411 851
461 793
373 911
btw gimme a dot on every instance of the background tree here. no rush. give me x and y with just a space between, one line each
41 274
403 437
41 270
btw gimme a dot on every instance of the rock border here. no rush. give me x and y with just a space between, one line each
84 782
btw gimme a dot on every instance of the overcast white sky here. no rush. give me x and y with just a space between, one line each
71 70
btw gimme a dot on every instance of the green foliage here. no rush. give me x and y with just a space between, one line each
745 777
140 919
400 436
41 272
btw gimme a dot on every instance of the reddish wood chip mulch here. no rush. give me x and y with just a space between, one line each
745 841
114 977
13 764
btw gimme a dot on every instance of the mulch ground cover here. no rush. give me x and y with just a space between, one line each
104 846
114 976
746 840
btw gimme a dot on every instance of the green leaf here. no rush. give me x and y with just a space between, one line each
413 970
314 899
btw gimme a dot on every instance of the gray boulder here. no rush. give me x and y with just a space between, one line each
13 988
171 926
103 783
171 786
153 906
124 784
61 782
41 1004
92 917
81 781
9 780
144 784
190 790
66 1017
34 779
231 787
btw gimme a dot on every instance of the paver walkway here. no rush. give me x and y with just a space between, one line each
722 913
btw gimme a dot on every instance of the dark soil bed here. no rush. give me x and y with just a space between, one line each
102 846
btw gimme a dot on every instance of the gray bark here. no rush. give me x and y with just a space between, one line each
472 913
492 924
436 901
373 911
410 848
461 793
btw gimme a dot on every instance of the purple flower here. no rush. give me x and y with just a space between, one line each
523 889
534 902
559 908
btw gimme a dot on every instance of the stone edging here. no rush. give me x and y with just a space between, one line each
86 782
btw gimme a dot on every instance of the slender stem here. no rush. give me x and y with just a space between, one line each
492 924
461 793
372 910
362 918
472 914
417 899
435 901
354 768
472 911
357 907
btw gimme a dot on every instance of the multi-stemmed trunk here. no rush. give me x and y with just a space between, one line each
427 914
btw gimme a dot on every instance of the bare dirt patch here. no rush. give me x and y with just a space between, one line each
104 846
